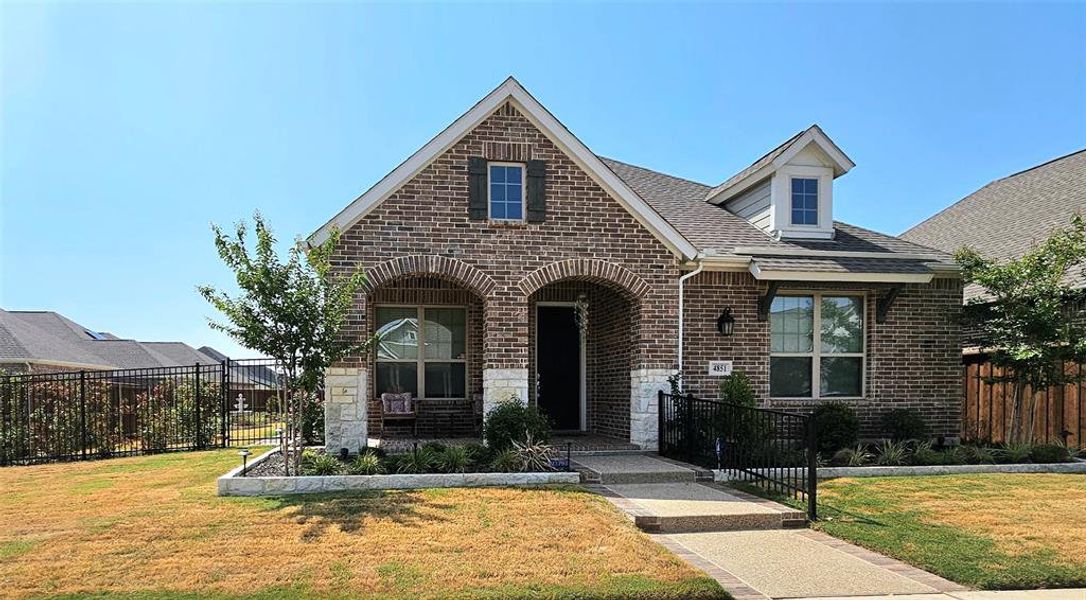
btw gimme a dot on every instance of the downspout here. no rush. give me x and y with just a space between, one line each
682 280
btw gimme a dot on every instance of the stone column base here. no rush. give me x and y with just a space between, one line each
500 385
644 405
345 409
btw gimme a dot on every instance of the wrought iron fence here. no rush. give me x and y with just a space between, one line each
774 450
82 415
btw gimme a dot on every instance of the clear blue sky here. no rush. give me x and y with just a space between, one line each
128 129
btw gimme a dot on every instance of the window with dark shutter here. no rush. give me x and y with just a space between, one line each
477 188
537 191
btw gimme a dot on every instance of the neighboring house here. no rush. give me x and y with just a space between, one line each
45 341
1006 218
505 258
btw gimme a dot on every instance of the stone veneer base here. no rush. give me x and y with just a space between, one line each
234 484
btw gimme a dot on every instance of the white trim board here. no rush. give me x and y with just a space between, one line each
511 91
780 275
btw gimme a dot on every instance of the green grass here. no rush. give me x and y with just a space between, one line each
152 528
986 531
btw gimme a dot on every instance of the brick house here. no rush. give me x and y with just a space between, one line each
529 266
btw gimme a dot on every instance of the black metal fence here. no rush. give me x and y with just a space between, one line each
82 415
774 450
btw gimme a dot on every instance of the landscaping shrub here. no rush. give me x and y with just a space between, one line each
902 424
366 463
1014 453
737 389
979 455
455 459
479 456
955 455
892 454
851 457
837 427
533 455
513 420
321 464
423 460
1049 453
924 453
506 461
435 447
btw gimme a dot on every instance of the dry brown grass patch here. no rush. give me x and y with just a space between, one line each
154 523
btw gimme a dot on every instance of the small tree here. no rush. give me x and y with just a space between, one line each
293 311
1026 319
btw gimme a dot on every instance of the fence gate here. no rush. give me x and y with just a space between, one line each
774 450
253 402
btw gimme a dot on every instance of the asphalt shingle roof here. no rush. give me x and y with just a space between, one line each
841 265
710 227
24 342
1009 216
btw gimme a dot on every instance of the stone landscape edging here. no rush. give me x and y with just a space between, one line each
906 471
879 471
234 484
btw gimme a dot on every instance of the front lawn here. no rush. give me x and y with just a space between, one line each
152 527
990 531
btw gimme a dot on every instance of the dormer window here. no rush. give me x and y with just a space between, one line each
804 201
506 184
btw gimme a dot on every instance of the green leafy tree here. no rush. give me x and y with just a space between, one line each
1026 318
292 310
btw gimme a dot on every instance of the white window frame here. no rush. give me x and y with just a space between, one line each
523 191
816 353
421 360
780 213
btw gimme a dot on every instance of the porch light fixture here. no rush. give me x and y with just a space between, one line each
725 323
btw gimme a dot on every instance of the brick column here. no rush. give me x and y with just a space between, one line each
505 348
345 409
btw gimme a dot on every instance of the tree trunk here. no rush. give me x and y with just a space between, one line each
1017 431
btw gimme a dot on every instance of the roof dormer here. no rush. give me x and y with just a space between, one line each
789 191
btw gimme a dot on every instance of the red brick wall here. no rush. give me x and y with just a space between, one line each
912 358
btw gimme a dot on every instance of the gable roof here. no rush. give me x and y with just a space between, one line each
511 91
777 157
22 342
1009 216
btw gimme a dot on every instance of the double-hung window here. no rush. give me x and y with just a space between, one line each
804 201
816 346
422 350
506 185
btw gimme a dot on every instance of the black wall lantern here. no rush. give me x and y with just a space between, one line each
725 323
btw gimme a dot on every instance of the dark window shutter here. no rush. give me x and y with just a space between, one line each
477 210
537 191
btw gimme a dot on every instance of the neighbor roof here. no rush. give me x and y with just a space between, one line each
49 338
1006 218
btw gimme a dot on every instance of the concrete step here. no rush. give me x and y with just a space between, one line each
625 469
687 507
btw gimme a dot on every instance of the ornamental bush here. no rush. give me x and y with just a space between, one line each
837 427
511 421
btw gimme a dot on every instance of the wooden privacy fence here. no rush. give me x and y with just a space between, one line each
1059 412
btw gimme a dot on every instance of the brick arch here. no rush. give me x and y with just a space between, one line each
452 269
589 269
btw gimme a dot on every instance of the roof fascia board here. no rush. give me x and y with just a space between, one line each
546 123
720 195
771 251
776 275
842 163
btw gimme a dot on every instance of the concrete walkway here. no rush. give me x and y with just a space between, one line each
750 545
1068 594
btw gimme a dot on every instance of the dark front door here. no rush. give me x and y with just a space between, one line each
558 366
